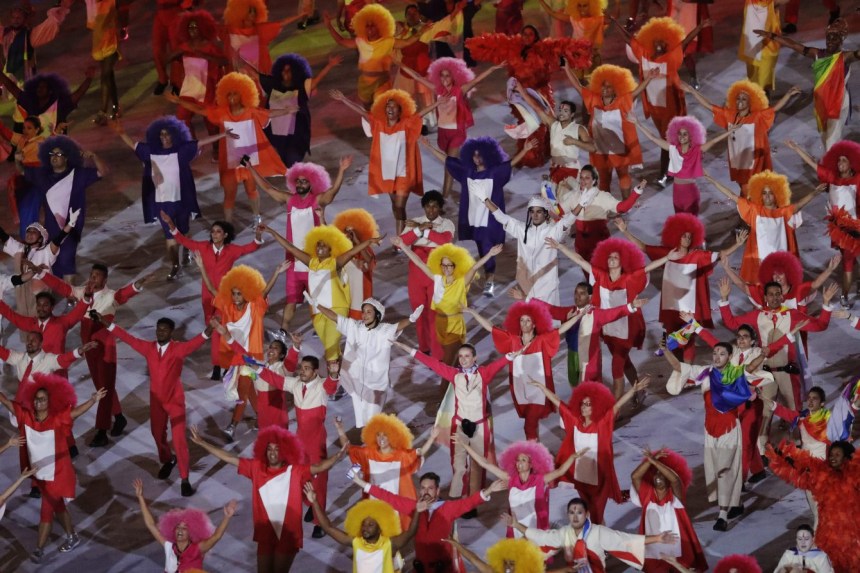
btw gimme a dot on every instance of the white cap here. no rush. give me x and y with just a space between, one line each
375 304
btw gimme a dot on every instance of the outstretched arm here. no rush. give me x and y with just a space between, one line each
321 515
337 95
621 225
806 157
410 254
229 512
555 14
687 88
262 182
550 395
805 201
398 541
333 61
347 256
786 42
641 384
418 77
735 277
695 32
296 252
187 104
335 35
562 469
792 91
672 255
148 520
740 239
282 267
470 274
659 141
546 118
570 254
832 265
721 188
222 455
574 81
485 324
724 135
27 473
481 460
327 197
479 564
329 462
468 86
95 397
649 75
435 151
528 145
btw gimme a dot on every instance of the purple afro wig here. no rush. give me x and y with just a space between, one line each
299 67
290 448
490 150
65 144
632 259
199 525
540 457
61 394
316 175
177 129
458 69
537 311
57 86
693 126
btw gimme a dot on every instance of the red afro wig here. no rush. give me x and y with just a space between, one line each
316 175
402 98
693 126
290 448
758 99
242 85
460 72
676 463
619 78
535 310
681 223
632 259
777 183
540 457
61 394
206 26
602 399
738 562
781 262
828 170
199 525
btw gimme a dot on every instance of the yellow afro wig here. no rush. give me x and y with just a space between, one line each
248 280
595 8
379 511
398 434
403 99
527 557
778 184
461 258
663 29
331 236
619 78
360 221
236 10
758 99
242 85
377 14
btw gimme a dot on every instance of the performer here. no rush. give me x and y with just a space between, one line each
35 359
278 471
19 40
24 203
504 555
279 362
102 20
167 12
358 225
759 51
13 487
46 97
45 411
805 555
186 535
247 33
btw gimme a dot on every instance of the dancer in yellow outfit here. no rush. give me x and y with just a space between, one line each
760 52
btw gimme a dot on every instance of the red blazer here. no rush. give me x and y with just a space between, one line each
53 331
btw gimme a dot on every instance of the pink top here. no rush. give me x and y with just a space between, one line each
685 165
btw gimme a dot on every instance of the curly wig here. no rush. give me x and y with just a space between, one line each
663 29
758 99
541 459
461 258
527 557
402 98
693 126
57 86
236 10
299 67
619 78
460 72
331 236
199 525
489 148
676 463
828 169
632 259
782 262
596 8
379 511
383 19
61 394
207 27
67 145
602 399
739 562
242 85
777 182
290 447
399 436
177 129
248 280
360 221
316 175
535 310
681 223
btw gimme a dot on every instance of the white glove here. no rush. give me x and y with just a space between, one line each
639 189
586 197
311 301
73 217
413 318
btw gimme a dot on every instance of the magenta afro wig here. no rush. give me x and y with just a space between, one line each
61 394
782 262
490 150
693 126
742 563
299 67
316 175
602 399
206 26
290 448
458 69
681 223
178 131
199 525
540 457
537 311
676 463
632 259
65 144
57 87
828 171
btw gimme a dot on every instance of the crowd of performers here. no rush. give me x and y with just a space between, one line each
257 115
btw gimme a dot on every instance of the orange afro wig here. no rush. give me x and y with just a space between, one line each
461 258
758 99
360 221
402 98
379 15
537 311
595 8
398 434
781 262
739 563
632 259
248 280
676 463
601 397
778 185
660 29
379 511
236 10
527 557
331 236
290 448
619 78
242 85
681 223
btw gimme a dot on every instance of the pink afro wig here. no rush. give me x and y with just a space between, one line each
676 463
538 454
693 126
602 399
828 171
632 259
458 69
199 525
538 313
316 175
61 394
681 223
781 262
289 446
741 563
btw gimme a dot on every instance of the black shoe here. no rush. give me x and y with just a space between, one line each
736 511
757 477
314 19
174 89
119 424
216 373
100 440
721 525
309 515
789 28
159 88
318 532
186 489
764 461
303 25
471 514
73 452
35 493
165 470
424 130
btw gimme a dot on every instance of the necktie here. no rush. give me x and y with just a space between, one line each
741 358
28 371
304 390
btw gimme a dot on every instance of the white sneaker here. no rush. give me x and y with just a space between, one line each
490 289
258 220
230 430
70 543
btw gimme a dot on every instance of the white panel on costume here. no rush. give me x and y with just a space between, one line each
385 475
529 367
196 77
246 144
676 160
42 448
392 151
578 27
610 299
655 91
369 561
284 124
2 511
844 196
319 283
755 18
275 494
585 468
353 276
522 502
240 330
165 175
58 197
479 190
770 236
171 561
48 118
659 518
248 47
679 287
608 132
742 146
301 223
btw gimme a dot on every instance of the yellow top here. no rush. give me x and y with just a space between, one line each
448 298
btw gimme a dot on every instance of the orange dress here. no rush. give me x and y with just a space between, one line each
771 230
252 142
395 160
392 472
663 98
245 327
251 44
616 138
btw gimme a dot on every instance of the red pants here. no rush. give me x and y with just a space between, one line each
215 338
793 7
162 47
247 393
685 198
310 430
272 409
104 376
595 498
751 421
533 415
420 289
51 505
557 174
159 414
588 235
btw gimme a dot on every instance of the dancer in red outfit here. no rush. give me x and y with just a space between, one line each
53 328
166 14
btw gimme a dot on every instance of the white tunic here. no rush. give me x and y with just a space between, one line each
558 149
813 560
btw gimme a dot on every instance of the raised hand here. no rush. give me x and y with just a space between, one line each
98 394
137 484
829 292
195 435
310 493
496 249
725 288
230 508
642 383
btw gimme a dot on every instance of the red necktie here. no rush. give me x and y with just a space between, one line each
304 390
27 371
741 358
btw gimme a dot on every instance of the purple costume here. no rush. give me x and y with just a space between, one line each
289 134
